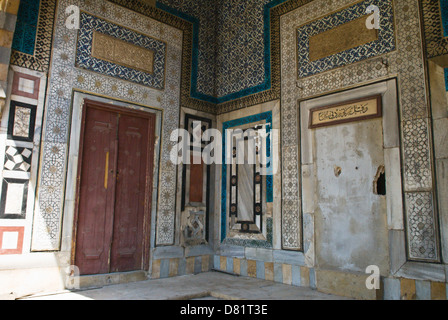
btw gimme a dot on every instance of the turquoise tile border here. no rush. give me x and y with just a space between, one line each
26 27
446 79
266 85
444 13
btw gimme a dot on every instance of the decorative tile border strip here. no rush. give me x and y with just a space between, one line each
174 267
410 289
285 273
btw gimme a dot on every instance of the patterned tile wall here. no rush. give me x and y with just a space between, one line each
65 77
435 18
33 49
406 62
232 47
384 44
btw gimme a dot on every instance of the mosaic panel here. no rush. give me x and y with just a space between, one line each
246 68
18 159
22 118
91 54
26 26
202 14
36 49
65 78
14 198
421 228
384 43
435 34
188 25
406 62
25 85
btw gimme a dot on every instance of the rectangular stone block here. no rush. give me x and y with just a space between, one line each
350 285
252 268
438 291
236 266
408 290
269 271
287 274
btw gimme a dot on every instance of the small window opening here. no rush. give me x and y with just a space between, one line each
379 185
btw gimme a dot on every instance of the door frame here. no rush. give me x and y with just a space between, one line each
149 174
393 159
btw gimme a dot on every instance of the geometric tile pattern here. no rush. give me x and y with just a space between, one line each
18 159
84 59
26 27
38 58
234 67
202 13
421 226
243 60
65 77
406 61
384 44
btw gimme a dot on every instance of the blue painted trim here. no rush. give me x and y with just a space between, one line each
269 179
266 85
446 79
444 14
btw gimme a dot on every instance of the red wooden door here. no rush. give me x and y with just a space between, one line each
96 198
132 181
114 191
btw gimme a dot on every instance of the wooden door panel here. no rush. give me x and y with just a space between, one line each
130 205
96 195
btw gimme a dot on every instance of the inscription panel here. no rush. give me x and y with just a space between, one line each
120 52
344 37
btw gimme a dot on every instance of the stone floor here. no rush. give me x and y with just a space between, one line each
205 286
